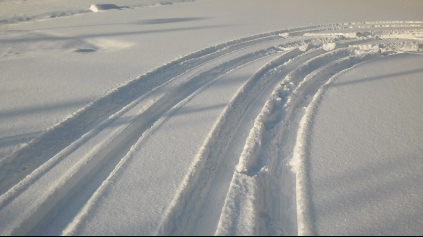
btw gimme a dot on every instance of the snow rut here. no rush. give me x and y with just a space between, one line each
265 193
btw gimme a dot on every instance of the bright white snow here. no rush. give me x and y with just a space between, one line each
236 117
366 150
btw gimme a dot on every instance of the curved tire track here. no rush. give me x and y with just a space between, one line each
278 137
310 56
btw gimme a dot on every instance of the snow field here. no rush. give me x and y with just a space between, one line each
210 188
378 159
228 140
17 11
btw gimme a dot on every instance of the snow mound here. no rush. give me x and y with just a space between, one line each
103 7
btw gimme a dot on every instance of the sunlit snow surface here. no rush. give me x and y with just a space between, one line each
236 117
366 150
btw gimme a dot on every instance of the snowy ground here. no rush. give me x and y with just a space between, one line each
236 117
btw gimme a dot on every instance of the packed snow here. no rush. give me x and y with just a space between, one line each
211 117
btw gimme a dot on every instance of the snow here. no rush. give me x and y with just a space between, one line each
226 117
357 173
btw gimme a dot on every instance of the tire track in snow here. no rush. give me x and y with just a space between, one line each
86 168
19 164
31 162
27 159
204 166
89 166
195 190
191 65
187 74
216 148
269 147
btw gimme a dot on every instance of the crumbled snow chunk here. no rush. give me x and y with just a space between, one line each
401 47
103 7
329 46
364 48
351 35
303 47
